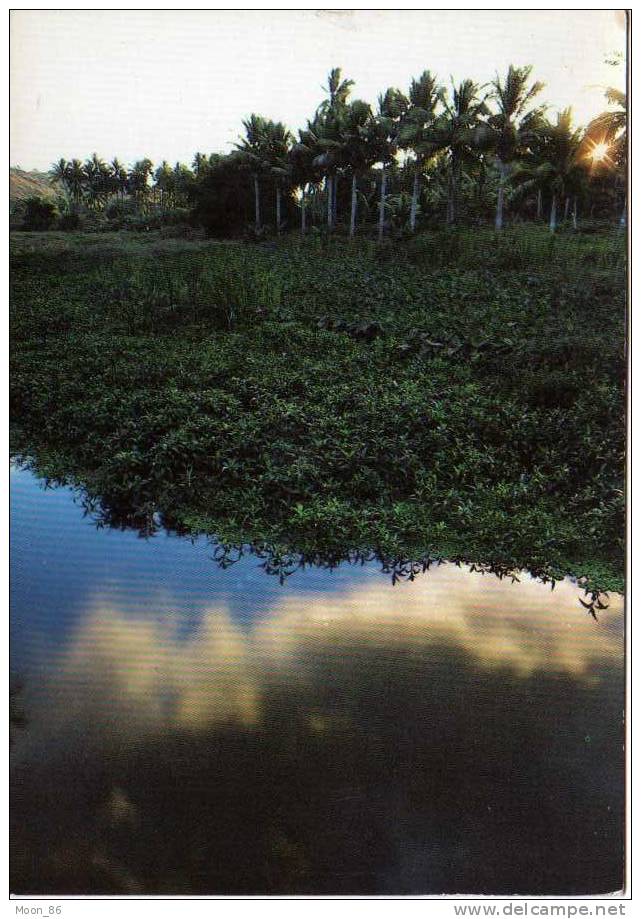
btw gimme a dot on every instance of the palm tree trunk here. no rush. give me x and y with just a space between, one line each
334 197
450 215
257 203
553 215
329 201
278 209
352 221
566 209
302 213
574 223
381 213
498 221
539 204
414 206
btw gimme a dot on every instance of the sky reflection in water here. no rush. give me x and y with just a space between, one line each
193 730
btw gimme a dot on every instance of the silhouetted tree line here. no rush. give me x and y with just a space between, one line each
433 154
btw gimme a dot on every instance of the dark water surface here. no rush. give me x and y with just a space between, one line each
189 729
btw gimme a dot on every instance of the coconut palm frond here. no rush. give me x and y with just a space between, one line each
616 97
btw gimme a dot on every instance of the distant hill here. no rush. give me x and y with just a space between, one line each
24 184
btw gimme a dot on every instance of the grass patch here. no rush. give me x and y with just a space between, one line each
454 395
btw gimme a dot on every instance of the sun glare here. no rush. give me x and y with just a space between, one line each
599 152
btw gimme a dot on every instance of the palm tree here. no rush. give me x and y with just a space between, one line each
384 139
76 181
418 130
302 169
278 141
118 177
556 164
458 132
512 127
358 152
608 132
337 90
611 127
59 173
328 141
326 127
97 175
252 150
90 170
310 156
199 163
181 181
138 180
164 182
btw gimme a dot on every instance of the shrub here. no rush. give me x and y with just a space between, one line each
39 213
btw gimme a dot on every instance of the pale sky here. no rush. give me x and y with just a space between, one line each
165 83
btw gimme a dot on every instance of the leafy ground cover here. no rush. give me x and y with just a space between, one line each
450 396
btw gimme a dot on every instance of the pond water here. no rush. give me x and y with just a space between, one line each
182 728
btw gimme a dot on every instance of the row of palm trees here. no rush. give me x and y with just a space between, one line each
433 132
431 128
95 183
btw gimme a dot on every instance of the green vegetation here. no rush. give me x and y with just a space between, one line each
458 395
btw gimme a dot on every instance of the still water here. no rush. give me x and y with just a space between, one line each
180 728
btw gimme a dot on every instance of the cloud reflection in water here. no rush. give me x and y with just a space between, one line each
456 733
